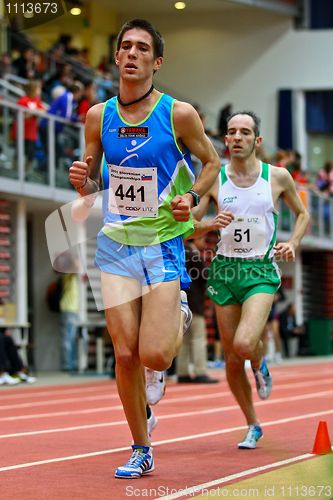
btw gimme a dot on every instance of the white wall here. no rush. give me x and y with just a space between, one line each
242 57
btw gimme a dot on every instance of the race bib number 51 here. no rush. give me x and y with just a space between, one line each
133 191
245 237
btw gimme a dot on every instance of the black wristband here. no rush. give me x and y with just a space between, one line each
195 196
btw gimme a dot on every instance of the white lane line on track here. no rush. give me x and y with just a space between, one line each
33 392
202 488
58 401
92 398
116 407
61 413
81 390
166 441
165 417
165 401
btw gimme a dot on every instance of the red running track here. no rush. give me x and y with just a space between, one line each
64 442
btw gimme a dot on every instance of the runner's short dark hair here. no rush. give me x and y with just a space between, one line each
255 118
158 42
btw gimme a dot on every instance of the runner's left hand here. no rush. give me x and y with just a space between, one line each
285 250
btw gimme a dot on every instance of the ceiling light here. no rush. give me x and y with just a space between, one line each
180 5
75 11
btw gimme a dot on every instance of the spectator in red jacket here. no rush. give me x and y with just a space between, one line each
32 101
88 99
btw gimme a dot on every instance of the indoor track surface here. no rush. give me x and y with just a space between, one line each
63 442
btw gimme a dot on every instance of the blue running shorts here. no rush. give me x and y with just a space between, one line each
148 265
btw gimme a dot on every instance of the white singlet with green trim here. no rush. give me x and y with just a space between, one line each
252 234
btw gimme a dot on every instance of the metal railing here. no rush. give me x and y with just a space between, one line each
320 207
61 142
43 162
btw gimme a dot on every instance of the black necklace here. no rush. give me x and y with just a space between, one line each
136 100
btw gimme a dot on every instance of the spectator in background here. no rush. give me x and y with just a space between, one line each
273 326
194 348
25 64
54 60
6 65
289 328
84 56
222 121
65 41
104 64
62 77
295 168
12 370
87 100
5 378
65 106
325 178
32 101
69 311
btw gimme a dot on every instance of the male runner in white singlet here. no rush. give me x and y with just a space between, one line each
244 277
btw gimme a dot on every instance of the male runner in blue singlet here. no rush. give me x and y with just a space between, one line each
148 192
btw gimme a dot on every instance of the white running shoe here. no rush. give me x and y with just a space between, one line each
151 422
186 310
155 386
264 381
24 377
254 433
5 378
140 463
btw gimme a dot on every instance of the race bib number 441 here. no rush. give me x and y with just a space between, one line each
133 191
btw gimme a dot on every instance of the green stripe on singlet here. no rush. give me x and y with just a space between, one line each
271 243
224 177
264 171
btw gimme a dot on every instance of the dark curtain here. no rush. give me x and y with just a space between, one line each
285 137
321 14
319 111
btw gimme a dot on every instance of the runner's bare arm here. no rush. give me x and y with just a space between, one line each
289 194
190 133
221 220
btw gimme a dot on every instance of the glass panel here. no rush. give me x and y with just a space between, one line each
314 212
8 143
320 150
67 149
284 216
34 152
327 214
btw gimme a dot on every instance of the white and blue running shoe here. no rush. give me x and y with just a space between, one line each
140 463
264 381
186 310
151 422
254 433
155 386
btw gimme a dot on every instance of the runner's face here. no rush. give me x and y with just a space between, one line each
240 137
135 58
